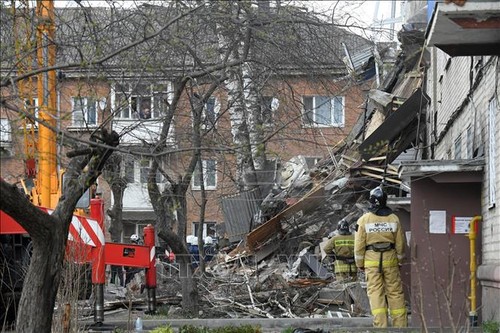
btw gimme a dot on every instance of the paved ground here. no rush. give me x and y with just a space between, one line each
267 325
120 319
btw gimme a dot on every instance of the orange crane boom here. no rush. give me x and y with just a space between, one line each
47 180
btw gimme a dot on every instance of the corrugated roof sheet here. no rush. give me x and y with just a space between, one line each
265 231
239 210
360 58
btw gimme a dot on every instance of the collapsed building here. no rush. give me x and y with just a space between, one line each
307 202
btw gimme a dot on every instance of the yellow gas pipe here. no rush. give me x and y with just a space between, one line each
472 243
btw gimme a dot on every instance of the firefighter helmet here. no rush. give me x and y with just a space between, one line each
134 238
378 198
343 227
190 239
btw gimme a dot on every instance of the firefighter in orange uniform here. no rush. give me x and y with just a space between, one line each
379 249
342 248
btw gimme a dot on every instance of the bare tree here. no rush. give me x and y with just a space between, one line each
199 47
49 233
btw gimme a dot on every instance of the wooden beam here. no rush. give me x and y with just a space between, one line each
381 170
349 158
379 158
369 174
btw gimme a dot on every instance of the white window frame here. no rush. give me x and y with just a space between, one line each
136 170
128 169
205 122
206 225
144 167
133 109
492 172
5 133
83 117
311 117
206 176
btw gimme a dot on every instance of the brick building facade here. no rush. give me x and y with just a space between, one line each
462 141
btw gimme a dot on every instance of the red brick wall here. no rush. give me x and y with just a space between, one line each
294 139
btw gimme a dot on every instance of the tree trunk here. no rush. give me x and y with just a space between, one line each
112 174
49 234
238 86
116 212
37 302
189 288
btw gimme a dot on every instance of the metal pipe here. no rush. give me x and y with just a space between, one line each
472 242
99 304
152 300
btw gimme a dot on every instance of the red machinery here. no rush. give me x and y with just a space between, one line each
86 233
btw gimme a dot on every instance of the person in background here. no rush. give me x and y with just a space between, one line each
193 251
341 247
209 249
131 271
379 250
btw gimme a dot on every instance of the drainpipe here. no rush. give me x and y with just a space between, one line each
472 243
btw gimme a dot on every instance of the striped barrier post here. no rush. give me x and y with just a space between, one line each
98 261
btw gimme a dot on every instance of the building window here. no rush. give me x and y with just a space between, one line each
493 110
85 111
145 166
470 142
128 170
141 101
324 111
210 113
209 176
458 147
130 228
208 229
137 171
5 133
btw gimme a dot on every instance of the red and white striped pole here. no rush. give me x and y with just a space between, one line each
149 240
98 261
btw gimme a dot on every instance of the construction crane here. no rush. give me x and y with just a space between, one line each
43 181
47 180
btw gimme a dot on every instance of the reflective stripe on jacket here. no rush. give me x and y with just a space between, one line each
372 229
342 247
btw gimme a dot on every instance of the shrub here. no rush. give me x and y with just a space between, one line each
491 326
225 329
163 329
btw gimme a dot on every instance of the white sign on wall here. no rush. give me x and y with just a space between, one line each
460 224
437 221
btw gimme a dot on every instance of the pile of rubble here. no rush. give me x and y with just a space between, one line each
275 267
